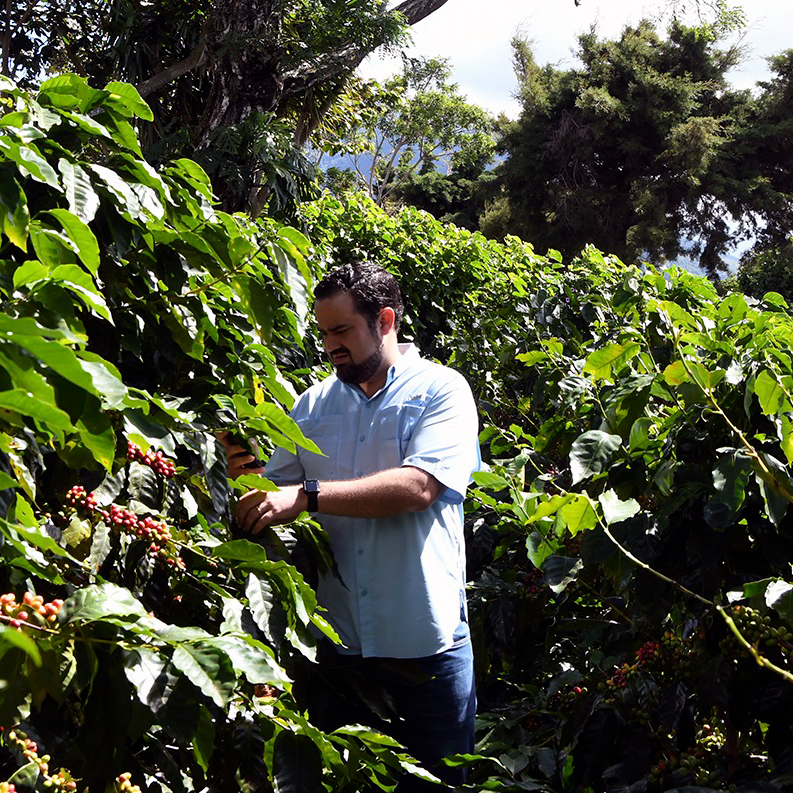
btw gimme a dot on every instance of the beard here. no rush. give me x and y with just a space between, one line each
354 373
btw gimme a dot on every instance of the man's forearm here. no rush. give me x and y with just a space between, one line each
380 495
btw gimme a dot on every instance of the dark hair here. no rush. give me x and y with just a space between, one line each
371 287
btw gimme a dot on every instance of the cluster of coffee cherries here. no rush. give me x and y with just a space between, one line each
60 781
157 461
756 628
649 654
569 696
7 787
695 765
157 532
533 583
124 785
32 611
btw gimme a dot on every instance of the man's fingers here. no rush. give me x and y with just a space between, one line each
252 511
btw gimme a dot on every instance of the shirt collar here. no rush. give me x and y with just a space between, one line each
409 354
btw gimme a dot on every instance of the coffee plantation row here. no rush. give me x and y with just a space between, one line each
628 544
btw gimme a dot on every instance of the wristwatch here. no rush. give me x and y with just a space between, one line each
311 489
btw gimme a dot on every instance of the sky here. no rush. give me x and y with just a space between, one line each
475 36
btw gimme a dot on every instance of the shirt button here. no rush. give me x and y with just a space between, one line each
364 592
360 552
362 438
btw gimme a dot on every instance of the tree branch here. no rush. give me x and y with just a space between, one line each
196 58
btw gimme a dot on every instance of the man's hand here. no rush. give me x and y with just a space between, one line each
260 508
237 457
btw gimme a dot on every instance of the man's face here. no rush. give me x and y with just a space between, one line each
355 349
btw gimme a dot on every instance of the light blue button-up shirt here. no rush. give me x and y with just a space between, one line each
400 592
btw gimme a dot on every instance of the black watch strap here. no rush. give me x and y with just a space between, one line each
311 489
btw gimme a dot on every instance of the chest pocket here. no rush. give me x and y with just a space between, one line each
394 430
326 433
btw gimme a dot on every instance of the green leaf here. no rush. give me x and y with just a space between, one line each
30 272
779 596
208 668
490 480
19 639
591 453
98 436
730 478
7 481
50 418
126 99
76 533
14 213
539 548
101 545
52 247
578 515
85 243
100 601
80 193
532 358
204 739
616 510
80 282
106 380
770 394
561 571
602 363
675 373
252 658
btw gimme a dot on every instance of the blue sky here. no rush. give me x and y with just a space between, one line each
475 35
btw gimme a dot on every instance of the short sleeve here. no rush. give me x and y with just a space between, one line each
445 439
284 468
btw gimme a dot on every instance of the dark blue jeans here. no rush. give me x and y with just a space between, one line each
428 704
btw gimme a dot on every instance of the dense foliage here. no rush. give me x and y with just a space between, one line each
629 545
140 640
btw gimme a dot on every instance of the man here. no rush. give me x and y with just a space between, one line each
399 438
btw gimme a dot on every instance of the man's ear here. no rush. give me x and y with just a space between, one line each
386 319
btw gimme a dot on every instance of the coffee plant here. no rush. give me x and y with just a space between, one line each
629 542
143 644
629 539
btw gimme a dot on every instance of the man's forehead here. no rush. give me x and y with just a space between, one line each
336 309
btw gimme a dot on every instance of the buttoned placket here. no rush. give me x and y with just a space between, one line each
366 410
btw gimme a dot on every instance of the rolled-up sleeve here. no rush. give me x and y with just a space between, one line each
444 441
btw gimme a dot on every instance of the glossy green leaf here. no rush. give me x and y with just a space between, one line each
80 283
490 480
21 640
208 668
14 213
591 453
602 363
83 206
578 515
204 739
616 509
50 418
126 99
771 394
100 601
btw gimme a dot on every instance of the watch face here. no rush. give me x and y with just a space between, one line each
311 486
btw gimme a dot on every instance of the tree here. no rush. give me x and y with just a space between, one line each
419 123
216 72
634 151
